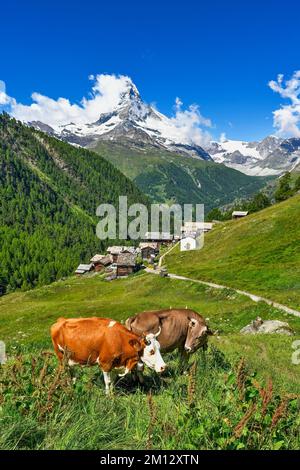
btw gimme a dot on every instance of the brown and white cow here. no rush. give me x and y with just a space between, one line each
102 341
181 329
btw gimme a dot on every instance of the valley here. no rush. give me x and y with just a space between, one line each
166 177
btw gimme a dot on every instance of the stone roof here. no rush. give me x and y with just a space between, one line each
126 259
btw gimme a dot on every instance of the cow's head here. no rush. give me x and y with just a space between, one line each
197 335
151 356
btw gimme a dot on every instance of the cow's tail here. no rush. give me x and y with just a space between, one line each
129 322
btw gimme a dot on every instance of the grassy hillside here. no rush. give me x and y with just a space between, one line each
25 318
168 177
205 409
260 254
49 192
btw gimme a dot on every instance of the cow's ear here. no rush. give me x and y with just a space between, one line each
136 344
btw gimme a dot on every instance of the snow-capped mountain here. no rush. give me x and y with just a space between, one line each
271 156
132 122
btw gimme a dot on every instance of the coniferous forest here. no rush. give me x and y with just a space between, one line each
49 192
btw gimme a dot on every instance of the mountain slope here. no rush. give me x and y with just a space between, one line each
49 192
260 253
168 177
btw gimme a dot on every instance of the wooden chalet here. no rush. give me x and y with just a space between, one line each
149 250
130 249
126 264
239 214
114 251
161 238
101 262
197 227
84 268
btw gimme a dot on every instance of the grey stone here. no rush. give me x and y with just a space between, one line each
259 326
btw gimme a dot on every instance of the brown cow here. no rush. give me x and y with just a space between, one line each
90 341
180 328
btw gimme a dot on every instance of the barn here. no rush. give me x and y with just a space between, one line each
84 268
161 238
196 227
149 249
126 264
114 251
130 249
239 214
100 262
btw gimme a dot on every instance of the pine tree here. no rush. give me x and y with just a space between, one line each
284 190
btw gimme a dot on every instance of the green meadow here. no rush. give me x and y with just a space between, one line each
241 394
25 317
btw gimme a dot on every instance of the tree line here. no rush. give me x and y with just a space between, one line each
286 187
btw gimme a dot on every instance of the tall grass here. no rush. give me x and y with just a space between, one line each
217 405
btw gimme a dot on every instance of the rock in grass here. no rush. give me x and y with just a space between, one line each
259 326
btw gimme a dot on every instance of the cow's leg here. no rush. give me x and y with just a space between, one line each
139 372
126 371
107 381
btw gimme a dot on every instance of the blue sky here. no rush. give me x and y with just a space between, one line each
218 54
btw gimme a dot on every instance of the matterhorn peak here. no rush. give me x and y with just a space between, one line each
130 92
127 119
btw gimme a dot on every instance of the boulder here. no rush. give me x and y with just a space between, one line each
259 326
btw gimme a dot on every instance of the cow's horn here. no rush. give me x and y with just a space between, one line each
158 333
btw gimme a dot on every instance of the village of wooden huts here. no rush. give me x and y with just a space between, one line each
123 260
120 260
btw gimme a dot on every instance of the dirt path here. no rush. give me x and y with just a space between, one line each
255 298
166 253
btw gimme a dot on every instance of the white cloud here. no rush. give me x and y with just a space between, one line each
185 126
223 137
189 122
287 118
5 100
104 96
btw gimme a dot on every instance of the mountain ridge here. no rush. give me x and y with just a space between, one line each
134 123
270 156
